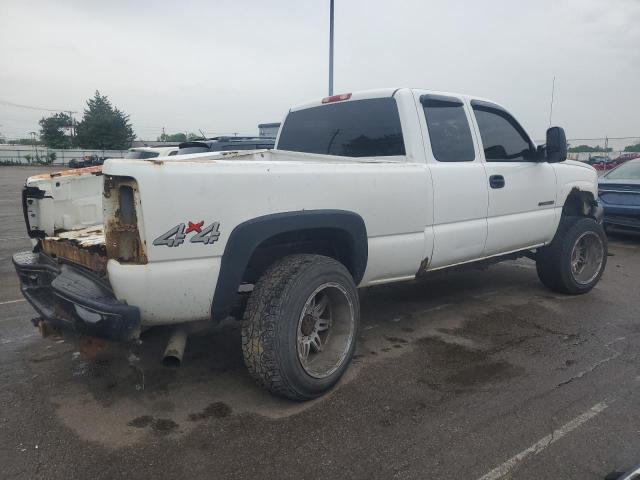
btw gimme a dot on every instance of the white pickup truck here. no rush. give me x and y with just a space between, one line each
362 189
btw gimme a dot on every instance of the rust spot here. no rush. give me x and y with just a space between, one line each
122 238
108 186
46 329
92 348
424 264
97 170
87 250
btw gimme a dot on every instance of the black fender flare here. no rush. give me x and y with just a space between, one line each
247 236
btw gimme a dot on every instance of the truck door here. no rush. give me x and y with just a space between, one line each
522 190
460 198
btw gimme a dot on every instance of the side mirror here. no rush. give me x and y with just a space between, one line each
556 148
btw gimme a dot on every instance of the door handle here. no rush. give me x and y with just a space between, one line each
496 181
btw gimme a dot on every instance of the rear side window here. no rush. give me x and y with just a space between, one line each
448 127
188 150
139 155
242 146
503 139
359 128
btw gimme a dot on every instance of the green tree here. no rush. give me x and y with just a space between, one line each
632 148
172 137
587 148
103 126
51 132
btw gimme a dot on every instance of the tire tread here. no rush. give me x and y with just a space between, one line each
550 259
259 327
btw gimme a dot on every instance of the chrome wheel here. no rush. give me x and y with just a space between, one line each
587 256
325 330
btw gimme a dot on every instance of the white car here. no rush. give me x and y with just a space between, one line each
362 189
151 152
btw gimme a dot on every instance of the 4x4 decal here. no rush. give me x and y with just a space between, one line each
176 235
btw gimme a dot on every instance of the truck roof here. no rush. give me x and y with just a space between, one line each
382 93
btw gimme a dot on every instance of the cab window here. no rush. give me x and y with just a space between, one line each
357 128
503 139
448 127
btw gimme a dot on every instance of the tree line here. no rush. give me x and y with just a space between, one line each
598 148
105 127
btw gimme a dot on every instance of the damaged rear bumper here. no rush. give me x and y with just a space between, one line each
73 298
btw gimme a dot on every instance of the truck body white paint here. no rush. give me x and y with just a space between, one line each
419 213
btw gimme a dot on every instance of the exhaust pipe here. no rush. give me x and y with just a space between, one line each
175 348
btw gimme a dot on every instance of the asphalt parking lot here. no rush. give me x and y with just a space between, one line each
475 374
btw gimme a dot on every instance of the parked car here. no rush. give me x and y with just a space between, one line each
362 189
623 157
86 161
226 144
601 162
619 192
142 153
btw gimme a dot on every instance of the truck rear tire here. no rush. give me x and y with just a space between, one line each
300 325
575 260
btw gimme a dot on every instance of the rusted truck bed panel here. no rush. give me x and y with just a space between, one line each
96 170
84 247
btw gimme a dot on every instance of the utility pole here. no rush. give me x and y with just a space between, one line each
70 113
331 48
35 150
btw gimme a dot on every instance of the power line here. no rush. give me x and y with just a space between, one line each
30 107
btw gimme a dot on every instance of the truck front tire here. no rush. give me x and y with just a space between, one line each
300 325
575 260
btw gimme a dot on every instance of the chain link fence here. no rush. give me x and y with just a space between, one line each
40 155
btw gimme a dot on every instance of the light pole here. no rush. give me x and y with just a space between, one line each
33 137
331 48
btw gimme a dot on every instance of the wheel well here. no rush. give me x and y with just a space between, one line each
331 242
579 204
255 244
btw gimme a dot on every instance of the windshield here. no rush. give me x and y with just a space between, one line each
626 171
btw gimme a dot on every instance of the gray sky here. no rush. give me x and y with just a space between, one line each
224 66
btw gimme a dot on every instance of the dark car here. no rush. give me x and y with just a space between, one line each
619 192
226 144
86 161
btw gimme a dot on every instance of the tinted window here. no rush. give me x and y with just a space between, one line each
360 128
449 131
242 146
187 150
140 155
502 137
